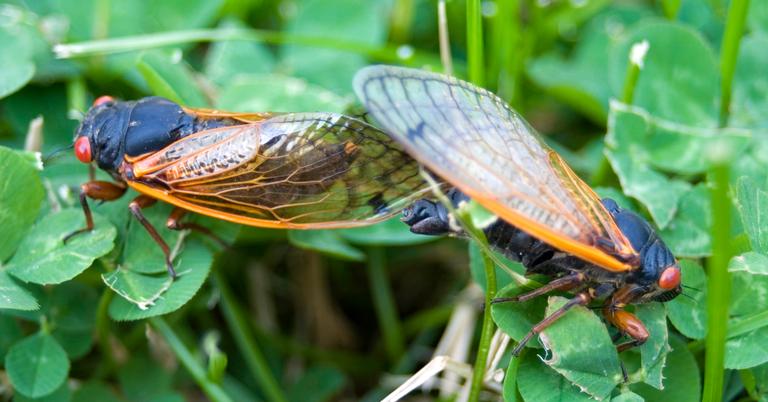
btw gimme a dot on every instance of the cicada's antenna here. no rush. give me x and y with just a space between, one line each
692 288
56 153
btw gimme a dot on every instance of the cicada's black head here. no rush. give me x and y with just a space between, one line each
113 129
658 276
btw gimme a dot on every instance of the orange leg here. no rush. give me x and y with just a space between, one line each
629 324
580 299
174 223
135 207
97 190
564 283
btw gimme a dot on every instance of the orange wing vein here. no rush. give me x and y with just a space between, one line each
293 170
474 140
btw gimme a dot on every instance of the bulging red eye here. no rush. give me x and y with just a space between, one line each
670 278
102 100
83 149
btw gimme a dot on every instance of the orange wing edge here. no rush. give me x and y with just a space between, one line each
541 232
244 220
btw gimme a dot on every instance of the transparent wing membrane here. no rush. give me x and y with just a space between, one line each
472 139
296 170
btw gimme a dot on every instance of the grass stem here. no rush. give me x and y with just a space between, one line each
478 373
384 304
729 51
475 43
211 389
719 286
176 38
102 332
253 356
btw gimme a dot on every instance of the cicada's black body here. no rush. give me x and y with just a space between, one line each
569 272
432 218
134 128
273 170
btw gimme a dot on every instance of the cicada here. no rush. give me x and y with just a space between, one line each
272 170
550 220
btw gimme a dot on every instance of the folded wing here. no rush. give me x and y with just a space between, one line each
294 170
472 139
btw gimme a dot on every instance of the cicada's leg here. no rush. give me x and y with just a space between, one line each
97 190
174 223
580 299
567 282
135 207
628 324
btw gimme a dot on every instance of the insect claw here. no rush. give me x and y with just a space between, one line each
500 300
73 234
624 373
519 348
171 271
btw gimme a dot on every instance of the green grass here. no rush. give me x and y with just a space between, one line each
681 141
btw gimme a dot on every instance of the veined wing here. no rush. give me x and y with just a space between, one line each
472 139
218 114
294 170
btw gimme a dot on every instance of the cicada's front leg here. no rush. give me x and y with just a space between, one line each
626 322
97 190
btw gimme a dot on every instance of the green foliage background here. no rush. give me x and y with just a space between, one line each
333 315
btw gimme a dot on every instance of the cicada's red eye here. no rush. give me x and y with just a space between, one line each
670 277
83 149
102 100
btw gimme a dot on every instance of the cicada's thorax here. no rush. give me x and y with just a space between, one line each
118 129
428 217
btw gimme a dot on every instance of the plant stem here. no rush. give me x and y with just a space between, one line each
510 377
600 175
172 38
102 331
747 324
475 43
384 304
478 373
486 334
444 38
238 326
719 286
211 389
400 21
734 28
670 7
76 95
506 38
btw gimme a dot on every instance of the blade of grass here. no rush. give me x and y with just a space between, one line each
384 304
211 389
76 95
746 324
734 29
445 40
173 38
510 378
670 7
102 334
505 39
253 356
488 326
719 286
400 21
478 373
475 43
101 19
636 59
